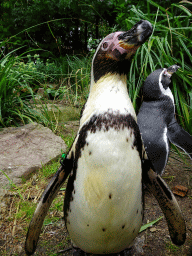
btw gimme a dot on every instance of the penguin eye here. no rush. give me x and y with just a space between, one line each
105 45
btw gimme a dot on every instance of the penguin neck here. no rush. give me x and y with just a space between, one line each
110 83
165 91
109 93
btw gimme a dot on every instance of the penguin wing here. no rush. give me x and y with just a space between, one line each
44 204
168 204
182 139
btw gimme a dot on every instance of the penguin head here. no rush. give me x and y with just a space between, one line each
157 83
115 50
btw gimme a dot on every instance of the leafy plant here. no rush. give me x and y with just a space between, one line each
168 45
12 184
13 87
39 71
15 93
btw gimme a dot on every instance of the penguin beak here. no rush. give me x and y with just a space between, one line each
172 69
136 36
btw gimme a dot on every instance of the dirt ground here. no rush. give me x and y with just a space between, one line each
153 241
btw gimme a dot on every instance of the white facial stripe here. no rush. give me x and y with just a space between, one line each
139 32
167 91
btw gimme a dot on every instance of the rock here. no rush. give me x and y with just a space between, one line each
25 149
3 207
138 245
18 249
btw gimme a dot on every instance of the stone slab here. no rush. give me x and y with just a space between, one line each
25 149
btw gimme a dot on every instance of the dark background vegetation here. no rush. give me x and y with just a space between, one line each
64 34
65 26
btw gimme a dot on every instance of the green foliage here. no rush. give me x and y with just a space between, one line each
79 74
26 210
16 92
169 44
12 184
69 140
172 248
64 27
49 170
40 72
13 87
150 224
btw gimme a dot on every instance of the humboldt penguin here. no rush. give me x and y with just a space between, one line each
156 119
103 206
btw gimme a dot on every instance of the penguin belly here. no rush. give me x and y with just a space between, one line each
106 212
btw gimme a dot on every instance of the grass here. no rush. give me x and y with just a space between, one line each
21 204
171 247
168 45
15 93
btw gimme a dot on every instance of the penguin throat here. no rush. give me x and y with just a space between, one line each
102 67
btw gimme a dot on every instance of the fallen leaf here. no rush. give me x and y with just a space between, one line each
153 229
180 190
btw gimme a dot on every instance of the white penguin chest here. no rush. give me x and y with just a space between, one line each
106 212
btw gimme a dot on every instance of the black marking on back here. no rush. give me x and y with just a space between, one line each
103 122
165 189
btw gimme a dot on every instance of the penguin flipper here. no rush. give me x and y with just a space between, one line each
169 206
44 204
178 136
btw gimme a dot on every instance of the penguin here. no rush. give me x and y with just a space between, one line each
106 164
156 119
